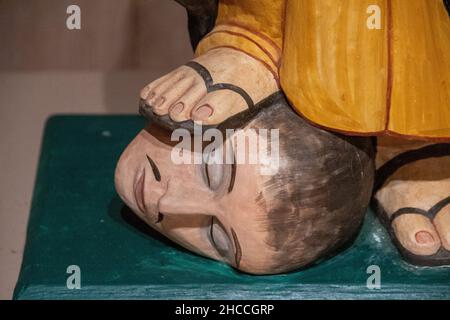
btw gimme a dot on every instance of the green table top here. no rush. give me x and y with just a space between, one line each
77 219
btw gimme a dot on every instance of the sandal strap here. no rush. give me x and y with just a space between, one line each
408 210
438 207
430 214
389 168
210 86
202 71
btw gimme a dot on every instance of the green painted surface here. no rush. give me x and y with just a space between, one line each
77 219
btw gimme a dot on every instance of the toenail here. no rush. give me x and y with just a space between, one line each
202 113
160 101
178 108
424 237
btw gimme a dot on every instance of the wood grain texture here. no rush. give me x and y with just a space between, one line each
420 69
342 75
334 68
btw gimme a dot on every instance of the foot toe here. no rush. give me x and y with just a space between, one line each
180 110
424 238
203 112
171 95
442 224
417 234
218 106
155 95
147 91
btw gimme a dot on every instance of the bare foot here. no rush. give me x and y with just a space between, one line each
218 85
415 198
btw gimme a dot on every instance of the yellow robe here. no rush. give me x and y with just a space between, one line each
339 73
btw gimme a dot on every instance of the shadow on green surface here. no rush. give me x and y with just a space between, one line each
77 218
124 216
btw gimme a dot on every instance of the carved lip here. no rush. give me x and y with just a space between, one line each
139 192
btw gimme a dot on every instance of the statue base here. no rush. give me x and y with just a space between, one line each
78 220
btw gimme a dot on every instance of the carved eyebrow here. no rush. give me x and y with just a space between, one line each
155 169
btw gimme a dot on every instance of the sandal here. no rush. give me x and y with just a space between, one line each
442 257
167 123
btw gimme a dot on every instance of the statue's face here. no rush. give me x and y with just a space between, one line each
214 210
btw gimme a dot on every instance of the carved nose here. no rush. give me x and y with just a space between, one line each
185 198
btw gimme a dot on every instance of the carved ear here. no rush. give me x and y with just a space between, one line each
202 16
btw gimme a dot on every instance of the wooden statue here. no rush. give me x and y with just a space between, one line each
260 223
342 71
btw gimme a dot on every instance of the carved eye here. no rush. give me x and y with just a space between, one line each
220 238
214 174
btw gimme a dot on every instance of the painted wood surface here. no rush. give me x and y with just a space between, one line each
77 219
